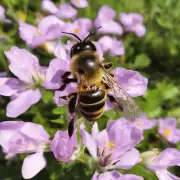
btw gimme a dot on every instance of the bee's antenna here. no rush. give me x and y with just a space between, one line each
92 33
73 35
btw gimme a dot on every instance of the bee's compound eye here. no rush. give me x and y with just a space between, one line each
83 46
75 49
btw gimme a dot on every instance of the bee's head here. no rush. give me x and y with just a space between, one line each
82 46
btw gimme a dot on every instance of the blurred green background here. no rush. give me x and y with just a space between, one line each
156 56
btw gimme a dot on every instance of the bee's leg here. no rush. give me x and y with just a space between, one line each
66 80
107 65
71 114
115 103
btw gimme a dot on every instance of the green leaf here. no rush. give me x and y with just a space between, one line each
47 96
141 61
175 112
59 110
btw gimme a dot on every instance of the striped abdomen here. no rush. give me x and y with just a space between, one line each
92 103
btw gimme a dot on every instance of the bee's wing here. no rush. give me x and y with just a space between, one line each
125 103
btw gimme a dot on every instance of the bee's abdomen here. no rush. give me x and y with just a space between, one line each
92 104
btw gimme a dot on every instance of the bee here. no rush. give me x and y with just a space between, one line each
95 83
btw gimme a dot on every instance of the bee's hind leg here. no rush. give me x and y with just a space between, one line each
71 114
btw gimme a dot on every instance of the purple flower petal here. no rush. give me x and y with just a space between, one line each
124 133
131 81
67 91
51 27
62 146
32 165
164 174
109 27
114 175
89 142
109 175
133 22
35 131
128 159
80 3
56 69
2 13
9 86
27 32
106 13
23 102
49 6
23 64
167 128
113 45
130 177
144 123
66 11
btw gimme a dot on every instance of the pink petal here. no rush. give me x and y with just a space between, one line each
51 27
128 159
106 13
23 64
35 131
164 174
32 165
49 6
66 11
131 81
27 32
9 86
89 143
80 3
54 72
110 27
23 102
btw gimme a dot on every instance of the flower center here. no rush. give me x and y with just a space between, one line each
76 30
77 1
138 124
167 132
111 144
38 32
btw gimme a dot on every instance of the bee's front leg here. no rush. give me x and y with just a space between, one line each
107 65
66 80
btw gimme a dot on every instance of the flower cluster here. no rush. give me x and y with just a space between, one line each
104 151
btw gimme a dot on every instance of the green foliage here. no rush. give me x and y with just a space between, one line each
156 56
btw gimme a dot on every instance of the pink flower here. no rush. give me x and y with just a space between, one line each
113 148
114 175
167 128
160 162
25 90
2 16
133 22
63 11
17 137
49 28
80 3
105 19
64 147
114 46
